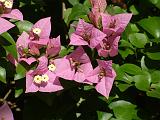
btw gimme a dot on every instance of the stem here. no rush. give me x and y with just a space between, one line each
7 94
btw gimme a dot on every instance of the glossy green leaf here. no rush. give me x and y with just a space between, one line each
131 69
24 26
104 115
123 87
2 75
134 10
151 25
123 110
11 47
154 93
143 65
139 40
73 2
21 72
142 82
155 76
77 11
156 3
18 92
153 56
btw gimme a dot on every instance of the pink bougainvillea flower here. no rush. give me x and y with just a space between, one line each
22 45
108 47
80 65
104 76
86 34
53 47
63 68
5 112
41 30
7 12
98 7
115 25
42 79
5 25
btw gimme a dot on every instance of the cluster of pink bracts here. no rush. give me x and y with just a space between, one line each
35 46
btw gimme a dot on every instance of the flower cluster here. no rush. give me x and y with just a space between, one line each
36 48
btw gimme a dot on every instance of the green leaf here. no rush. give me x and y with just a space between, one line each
154 93
131 69
21 72
156 3
2 75
18 92
11 48
126 52
142 82
155 76
143 66
104 115
123 87
66 13
151 25
77 11
24 25
8 37
73 2
124 110
153 56
139 40
134 10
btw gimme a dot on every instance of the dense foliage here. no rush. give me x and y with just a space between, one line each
29 55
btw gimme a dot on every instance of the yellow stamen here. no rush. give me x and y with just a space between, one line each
45 78
38 79
8 4
52 67
37 31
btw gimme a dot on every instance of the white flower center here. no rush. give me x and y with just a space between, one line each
8 4
45 78
52 67
37 31
38 79
2 0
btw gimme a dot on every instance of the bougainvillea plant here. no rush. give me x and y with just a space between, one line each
86 69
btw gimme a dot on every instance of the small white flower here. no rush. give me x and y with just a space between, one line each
37 31
45 78
52 67
7 3
38 79
2 0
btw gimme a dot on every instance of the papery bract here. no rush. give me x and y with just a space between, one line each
108 47
81 64
5 112
5 25
41 29
86 34
104 76
53 47
115 25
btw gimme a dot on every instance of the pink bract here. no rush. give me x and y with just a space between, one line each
86 34
53 47
5 112
81 64
115 25
104 76
108 47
